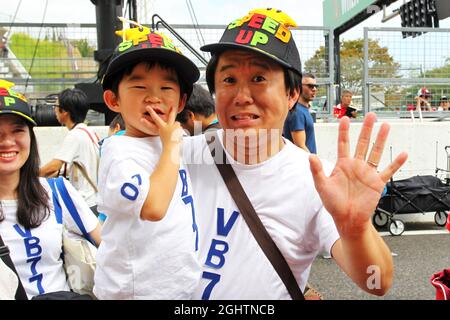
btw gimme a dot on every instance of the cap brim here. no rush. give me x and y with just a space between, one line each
222 46
185 67
23 115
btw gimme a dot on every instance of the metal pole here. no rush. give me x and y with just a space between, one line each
106 12
337 65
331 67
366 71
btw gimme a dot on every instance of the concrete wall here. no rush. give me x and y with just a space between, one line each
420 140
50 138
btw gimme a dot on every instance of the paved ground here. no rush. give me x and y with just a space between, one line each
418 257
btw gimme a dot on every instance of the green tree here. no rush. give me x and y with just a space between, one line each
381 63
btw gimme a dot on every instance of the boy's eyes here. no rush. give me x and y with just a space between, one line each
162 88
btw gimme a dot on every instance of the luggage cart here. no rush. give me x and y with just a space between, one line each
419 194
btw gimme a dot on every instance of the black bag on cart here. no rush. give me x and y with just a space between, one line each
415 195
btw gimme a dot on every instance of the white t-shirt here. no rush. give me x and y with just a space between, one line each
79 147
36 252
140 259
282 192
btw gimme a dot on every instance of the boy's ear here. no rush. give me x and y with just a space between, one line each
191 115
111 100
182 103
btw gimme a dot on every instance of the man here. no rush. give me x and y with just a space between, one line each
444 104
299 124
255 73
198 115
344 108
79 149
423 100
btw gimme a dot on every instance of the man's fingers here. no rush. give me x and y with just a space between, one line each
343 139
364 137
317 171
387 173
378 147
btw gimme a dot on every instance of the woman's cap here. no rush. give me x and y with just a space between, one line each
13 102
265 31
143 44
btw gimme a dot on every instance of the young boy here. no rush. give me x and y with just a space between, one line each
150 236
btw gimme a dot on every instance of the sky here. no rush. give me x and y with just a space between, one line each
304 12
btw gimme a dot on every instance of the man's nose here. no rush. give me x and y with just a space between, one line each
243 95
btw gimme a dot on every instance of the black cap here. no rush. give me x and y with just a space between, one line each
265 31
144 44
13 102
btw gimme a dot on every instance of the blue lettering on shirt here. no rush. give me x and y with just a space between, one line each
217 250
129 190
33 251
187 199
215 278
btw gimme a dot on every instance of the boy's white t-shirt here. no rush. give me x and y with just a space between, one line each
140 259
78 147
282 192
36 253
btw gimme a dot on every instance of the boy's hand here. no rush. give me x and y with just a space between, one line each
170 131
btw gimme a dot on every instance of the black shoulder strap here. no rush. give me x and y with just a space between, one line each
255 225
4 255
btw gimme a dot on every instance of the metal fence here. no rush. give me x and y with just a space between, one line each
391 87
44 59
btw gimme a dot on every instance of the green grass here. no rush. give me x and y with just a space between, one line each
51 59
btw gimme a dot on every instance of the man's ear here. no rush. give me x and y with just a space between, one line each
293 97
111 100
182 103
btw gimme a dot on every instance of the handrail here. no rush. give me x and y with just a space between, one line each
180 38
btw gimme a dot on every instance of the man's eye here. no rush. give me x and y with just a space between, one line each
258 78
166 88
138 87
229 80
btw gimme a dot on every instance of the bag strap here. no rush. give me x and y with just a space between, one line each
94 141
255 225
80 167
4 255
60 186
85 175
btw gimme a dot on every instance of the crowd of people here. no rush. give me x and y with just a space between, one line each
171 228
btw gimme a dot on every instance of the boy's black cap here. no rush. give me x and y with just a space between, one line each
144 44
264 31
14 103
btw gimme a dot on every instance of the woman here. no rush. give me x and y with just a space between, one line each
28 224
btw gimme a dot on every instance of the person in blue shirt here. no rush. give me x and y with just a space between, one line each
299 124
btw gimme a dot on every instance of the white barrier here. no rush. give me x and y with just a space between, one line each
418 139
